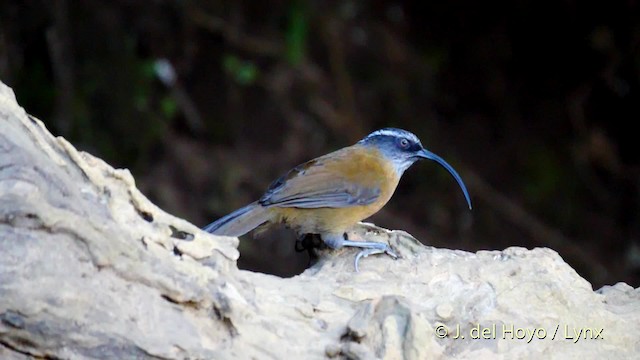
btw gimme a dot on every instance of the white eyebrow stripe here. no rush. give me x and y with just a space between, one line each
392 132
384 132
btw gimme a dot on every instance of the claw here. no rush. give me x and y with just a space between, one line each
369 248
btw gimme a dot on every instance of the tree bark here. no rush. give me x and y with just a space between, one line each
90 268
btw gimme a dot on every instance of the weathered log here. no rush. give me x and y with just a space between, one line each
90 268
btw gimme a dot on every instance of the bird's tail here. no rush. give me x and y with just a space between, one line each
240 221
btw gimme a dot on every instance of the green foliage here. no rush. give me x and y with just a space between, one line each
296 35
242 71
169 107
147 69
142 91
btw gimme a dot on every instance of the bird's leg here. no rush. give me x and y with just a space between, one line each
336 241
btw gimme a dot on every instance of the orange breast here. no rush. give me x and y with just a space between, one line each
356 164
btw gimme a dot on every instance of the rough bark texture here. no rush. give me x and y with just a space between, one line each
89 268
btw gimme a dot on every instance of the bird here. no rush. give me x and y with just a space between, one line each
328 195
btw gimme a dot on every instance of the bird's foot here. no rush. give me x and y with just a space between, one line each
369 248
337 241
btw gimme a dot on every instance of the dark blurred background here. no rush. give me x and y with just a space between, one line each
206 102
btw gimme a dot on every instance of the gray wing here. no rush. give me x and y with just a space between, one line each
310 186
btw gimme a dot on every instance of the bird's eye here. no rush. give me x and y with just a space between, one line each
404 143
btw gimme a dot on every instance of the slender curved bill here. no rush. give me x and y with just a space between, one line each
426 154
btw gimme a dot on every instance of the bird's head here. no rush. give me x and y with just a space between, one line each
403 148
